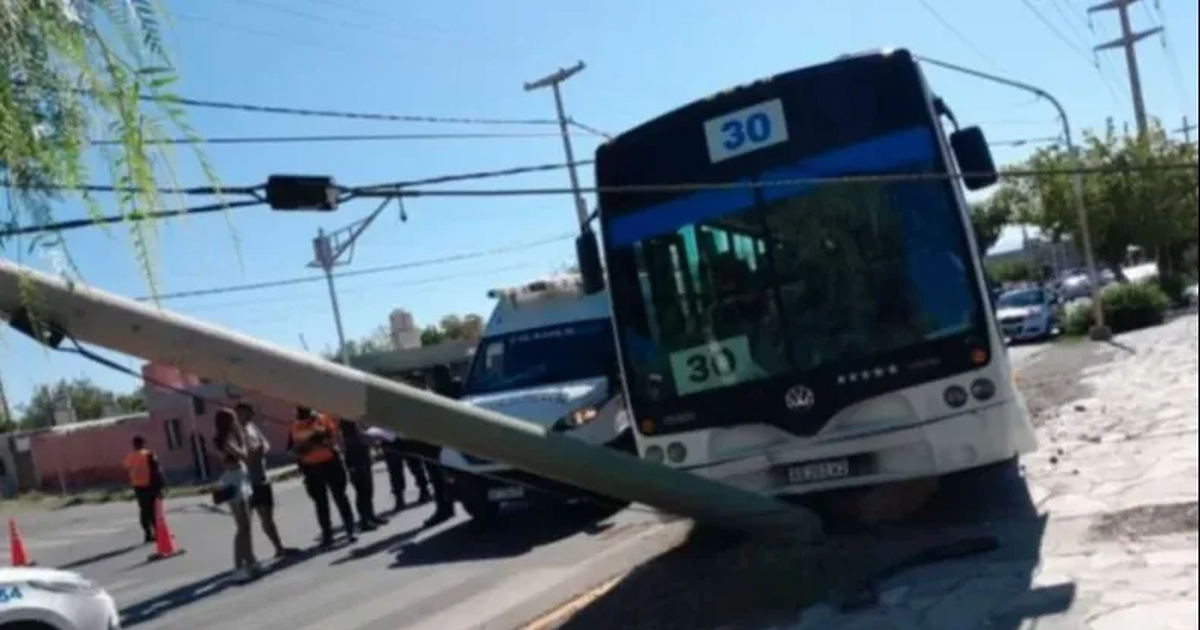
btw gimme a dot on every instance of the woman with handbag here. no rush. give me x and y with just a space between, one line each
233 489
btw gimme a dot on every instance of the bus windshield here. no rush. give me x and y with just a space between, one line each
542 356
735 286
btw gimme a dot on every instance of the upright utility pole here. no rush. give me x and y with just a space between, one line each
328 249
1186 130
1128 41
552 81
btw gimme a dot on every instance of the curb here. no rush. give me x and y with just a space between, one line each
608 565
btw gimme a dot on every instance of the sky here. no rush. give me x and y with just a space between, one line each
470 58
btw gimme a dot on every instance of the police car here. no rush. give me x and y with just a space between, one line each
49 599
547 356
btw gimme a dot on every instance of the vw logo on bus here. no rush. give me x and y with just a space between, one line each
799 398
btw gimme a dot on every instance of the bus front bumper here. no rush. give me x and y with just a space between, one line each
940 447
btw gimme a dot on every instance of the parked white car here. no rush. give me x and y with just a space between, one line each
1028 314
33 598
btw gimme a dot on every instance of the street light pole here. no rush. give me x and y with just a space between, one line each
553 81
1099 332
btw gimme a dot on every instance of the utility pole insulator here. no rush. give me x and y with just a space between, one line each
302 192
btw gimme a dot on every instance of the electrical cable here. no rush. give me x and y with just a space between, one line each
1091 61
428 262
253 191
968 42
800 181
381 137
254 108
74 224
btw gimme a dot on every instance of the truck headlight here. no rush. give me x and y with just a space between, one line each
576 419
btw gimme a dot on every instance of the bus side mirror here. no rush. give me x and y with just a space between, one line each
974 158
587 250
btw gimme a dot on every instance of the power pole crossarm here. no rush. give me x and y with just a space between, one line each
1128 41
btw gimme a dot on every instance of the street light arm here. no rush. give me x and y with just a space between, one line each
1033 89
1100 331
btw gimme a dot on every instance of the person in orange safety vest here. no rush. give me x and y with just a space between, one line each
147 480
314 439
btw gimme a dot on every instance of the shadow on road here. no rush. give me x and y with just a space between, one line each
513 535
721 580
192 592
101 557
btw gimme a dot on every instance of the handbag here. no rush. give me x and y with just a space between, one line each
224 494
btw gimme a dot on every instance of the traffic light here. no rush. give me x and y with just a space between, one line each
302 192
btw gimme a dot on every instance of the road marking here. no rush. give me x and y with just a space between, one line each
567 611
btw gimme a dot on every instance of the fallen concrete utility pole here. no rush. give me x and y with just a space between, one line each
91 316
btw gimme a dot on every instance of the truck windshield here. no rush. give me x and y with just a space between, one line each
543 356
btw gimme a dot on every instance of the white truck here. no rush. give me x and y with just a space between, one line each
547 356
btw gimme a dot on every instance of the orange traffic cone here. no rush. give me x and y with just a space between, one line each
16 546
164 541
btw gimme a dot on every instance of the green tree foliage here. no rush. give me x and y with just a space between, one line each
1017 271
990 217
1146 205
89 400
450 328
73 70
453 328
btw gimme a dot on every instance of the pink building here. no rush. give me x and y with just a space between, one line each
89 454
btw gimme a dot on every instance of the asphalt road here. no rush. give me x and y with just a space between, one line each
448 577
445 578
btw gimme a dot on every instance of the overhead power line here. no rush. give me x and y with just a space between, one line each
966 41
73 224
252 191
765 184
341 114
378 137
441 260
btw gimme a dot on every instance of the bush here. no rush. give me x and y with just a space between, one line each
1174 286
1126 307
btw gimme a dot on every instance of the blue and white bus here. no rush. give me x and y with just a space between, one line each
791 334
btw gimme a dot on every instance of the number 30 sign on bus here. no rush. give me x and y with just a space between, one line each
748 129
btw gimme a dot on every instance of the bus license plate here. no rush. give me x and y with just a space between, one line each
816 472
508 493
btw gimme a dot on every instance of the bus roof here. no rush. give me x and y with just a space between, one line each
864 56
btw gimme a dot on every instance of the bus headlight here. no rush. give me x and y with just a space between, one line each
983 389
955 396
576 419
676 452
654 454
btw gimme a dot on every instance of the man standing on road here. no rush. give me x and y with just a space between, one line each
262 494
396 459
359 463
314 438
147 480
